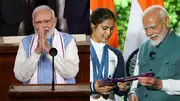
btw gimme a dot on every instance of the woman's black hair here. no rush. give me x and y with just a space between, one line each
101 14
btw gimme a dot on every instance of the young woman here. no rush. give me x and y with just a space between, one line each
106 61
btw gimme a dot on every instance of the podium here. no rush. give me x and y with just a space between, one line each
78 92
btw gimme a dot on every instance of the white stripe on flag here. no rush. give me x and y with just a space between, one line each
135 34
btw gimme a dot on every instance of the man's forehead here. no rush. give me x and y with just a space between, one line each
151 19
153 14
43 14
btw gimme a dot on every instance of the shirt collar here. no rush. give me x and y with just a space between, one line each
96 44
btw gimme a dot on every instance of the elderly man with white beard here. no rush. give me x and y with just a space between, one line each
33 64
161 55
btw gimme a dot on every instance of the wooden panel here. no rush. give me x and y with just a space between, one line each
78 92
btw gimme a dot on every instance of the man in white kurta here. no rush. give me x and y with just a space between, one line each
33 62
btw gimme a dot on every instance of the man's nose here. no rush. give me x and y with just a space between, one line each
43 24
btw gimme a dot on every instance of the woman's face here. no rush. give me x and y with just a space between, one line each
102 32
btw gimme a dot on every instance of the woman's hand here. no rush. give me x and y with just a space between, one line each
102 89
123 86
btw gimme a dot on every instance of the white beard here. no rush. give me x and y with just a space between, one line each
48 34
161 37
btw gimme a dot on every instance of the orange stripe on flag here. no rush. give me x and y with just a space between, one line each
113 41
146 3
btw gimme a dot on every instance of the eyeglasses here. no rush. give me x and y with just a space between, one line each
46 21
154 26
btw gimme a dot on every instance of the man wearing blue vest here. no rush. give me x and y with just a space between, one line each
33 64
161 55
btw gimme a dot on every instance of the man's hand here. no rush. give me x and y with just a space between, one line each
123 86
42 41
39 47
102 89
151 82
45 45
133 97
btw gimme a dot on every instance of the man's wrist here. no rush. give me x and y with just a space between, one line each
158 84
38 51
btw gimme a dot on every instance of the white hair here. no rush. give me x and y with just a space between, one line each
162 13
42 7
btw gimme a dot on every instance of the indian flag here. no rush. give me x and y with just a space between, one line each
135 33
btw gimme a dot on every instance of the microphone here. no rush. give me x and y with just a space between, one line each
53 52
151 55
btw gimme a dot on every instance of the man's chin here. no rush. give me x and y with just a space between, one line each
158 40
155 42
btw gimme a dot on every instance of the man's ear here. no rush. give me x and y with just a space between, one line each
33 22
55 21
167 22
